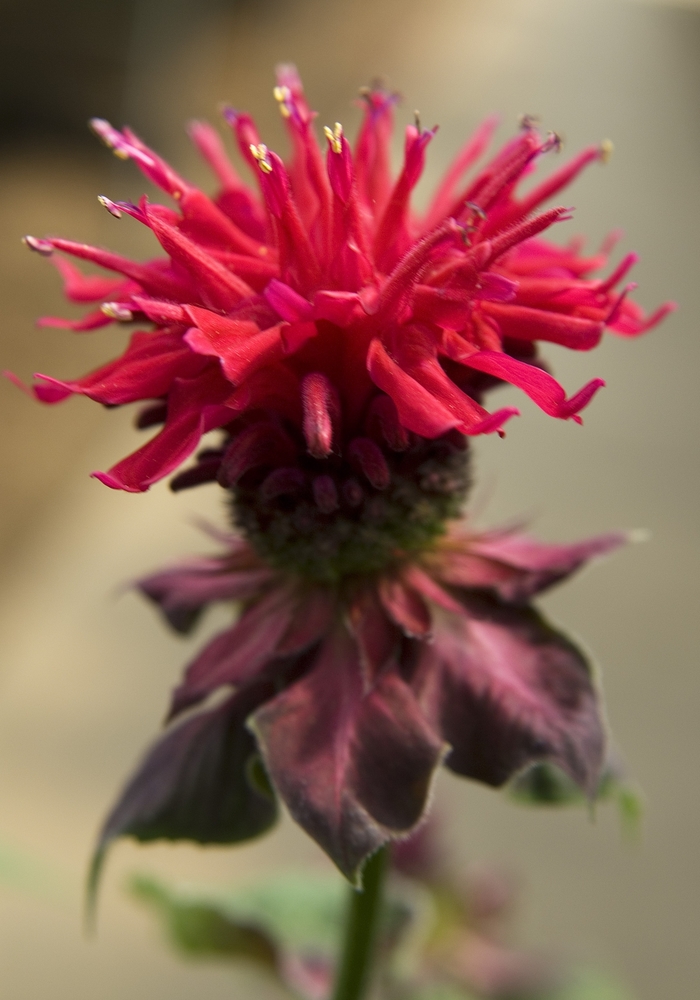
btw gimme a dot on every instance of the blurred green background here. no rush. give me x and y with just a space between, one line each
85 666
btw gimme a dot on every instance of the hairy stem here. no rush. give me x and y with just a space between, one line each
363 915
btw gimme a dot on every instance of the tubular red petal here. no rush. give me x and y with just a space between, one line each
373 148
553 185
217 286
194 407
468 154
287 303
417 354
298 262
539 385
91 321
391 236
150 276
147 370
419 411
524 323
208 142
309 179
240 346
127 145
506 239
79 287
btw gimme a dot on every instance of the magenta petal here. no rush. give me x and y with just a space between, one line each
505 690
539 385
418 409
517 566
182 592
192 411
287 303
354 769
405 607
237 655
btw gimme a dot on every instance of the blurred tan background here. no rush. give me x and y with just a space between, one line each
85 667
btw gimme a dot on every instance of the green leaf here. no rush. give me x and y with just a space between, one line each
545 784
590 984
292 924
22 871
200 930
442 991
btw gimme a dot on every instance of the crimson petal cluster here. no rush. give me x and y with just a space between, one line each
353 697
323 303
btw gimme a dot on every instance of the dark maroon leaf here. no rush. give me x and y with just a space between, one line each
505 690
195 783
354 768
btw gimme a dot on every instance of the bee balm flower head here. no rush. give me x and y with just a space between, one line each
341 342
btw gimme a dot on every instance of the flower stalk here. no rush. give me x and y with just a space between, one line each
361 929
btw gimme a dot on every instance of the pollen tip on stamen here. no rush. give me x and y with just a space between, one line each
334 136
38 246
109 205
228 113
606 150
528 122
260 154
116 311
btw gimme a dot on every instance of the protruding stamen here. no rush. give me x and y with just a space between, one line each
117 311
606 150
44 247
283 96
109 205
260 154
335 137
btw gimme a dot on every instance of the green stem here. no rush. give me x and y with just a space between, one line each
363 914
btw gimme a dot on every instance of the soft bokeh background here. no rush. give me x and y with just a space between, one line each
85 666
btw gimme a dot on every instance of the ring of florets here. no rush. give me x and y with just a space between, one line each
345 526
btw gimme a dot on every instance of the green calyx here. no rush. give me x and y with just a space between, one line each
370 529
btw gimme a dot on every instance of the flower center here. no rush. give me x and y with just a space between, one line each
322 520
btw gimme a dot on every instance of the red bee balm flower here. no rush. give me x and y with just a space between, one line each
354 695
343 345
322 314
